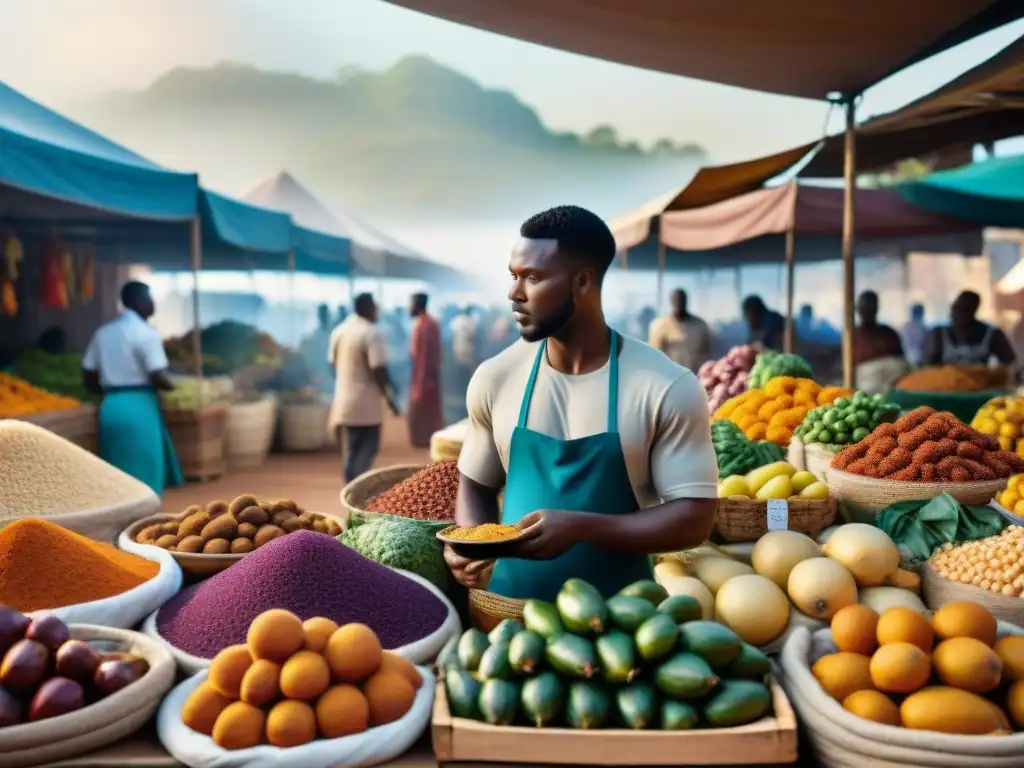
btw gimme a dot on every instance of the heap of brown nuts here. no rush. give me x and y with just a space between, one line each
236 528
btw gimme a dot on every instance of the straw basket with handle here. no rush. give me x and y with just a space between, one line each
741 519
356 495
938 590
488 609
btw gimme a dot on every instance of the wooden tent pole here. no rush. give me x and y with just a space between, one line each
661 272
789 343
197 265
849 230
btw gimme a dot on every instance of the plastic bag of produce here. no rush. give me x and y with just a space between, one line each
843 739
129 608
372 747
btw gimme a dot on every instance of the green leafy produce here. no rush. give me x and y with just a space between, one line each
398 543
736 454
60 373
847 420
770 364
920 526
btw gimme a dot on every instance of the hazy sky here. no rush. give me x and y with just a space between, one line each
63 51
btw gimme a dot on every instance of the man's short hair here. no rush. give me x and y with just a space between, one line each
420 300
969 300
133 292
363 303
753 304
580 234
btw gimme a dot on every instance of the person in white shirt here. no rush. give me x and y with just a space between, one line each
685 338
358 352
126 364
463 329
601 443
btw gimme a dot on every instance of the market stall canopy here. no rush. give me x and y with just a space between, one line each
1012 282
802 48
750 229
373 253
990 192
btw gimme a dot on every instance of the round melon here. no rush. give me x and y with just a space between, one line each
867 552
821 587
776 554
753 607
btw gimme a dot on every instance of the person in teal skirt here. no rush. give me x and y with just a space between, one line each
601 442
126 364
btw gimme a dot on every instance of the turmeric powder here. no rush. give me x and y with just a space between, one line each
44 566
485 532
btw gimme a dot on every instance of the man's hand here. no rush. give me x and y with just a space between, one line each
548 533
473 574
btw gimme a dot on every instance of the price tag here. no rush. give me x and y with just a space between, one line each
778 515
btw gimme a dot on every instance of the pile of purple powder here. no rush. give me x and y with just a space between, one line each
310 575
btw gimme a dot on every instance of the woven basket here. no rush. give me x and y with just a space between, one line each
356 495
304 427
747 519
487 609
814 458
937 591
198 438
446 444
250 432
861 498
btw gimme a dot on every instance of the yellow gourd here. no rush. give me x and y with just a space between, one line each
715 570
753 607
904 579
965 619
867 552
900 668
777 553
842 674
881 599
949 710
966 663
821 587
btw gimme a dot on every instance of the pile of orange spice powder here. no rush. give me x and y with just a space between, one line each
44 566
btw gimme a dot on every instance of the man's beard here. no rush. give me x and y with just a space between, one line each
549 326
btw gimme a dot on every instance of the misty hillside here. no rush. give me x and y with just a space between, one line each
417 140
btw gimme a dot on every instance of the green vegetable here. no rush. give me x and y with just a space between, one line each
713 642
649 590
463 693
60 373
736 454
542 698
542 617
628 613
494 664
571 655
471 649
750 664
398 543
526 651
588 706
738 702
657 637
581 608
846 420
505 631
499 702
682 608
678 716
685 675
770 364
922 525
617 656
637 705
449 656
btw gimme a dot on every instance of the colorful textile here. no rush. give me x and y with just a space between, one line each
426 412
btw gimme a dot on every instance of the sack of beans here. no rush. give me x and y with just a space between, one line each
45 475
44 567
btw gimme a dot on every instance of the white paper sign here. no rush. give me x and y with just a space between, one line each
778 515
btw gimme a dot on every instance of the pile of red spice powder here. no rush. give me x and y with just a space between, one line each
310 575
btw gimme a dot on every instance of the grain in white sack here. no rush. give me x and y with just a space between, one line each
43 474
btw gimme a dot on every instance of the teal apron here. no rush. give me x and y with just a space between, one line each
587 474
134 438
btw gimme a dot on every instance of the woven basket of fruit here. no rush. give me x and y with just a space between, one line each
740 519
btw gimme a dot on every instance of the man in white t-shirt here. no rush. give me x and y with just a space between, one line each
358 352
685 338
602 443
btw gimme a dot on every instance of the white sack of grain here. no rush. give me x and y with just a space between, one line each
45 475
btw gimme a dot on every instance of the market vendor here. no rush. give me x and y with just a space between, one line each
765 327
967 340
877 348
601 442
126 364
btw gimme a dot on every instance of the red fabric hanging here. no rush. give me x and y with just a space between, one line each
53 289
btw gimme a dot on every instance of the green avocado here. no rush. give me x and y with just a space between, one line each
542 617
648 589
542 698
587 706
463 693
471 649
449 656
583 611
657 637
751 664
678 716
499 702
682 608
637 705
494 664
715 643
571 655
738 702
616 655
526 652
628 612
505 631
686 676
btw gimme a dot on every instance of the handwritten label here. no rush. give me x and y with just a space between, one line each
778 515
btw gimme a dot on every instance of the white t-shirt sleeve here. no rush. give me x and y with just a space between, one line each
683 463
479 459
332 347
91 358
376 349
149 350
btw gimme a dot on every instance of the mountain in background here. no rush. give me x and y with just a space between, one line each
417 140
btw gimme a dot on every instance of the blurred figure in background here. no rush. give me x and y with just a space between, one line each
915 335
426 412
53 340
342 314
967 340
764 326
313 350
877 350
685 338
463 330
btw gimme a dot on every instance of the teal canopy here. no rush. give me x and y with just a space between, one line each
990 192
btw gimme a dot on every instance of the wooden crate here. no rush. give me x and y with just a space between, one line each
769 741
78 424
198 438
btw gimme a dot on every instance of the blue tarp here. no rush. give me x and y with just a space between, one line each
990 192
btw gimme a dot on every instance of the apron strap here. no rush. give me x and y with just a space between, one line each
524 408
613 383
